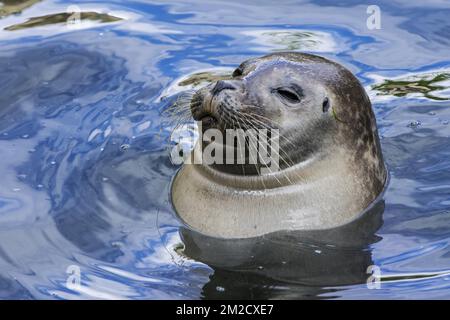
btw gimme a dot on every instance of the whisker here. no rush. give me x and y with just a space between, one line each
273 149
281 136
290 163
251 154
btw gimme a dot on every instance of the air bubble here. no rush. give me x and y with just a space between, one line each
414 124
124 147
220 289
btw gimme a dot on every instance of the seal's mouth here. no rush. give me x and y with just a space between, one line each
208 120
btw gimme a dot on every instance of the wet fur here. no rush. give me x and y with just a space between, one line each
333 168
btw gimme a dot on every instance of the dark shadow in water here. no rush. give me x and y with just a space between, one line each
48 81
283 265
12 290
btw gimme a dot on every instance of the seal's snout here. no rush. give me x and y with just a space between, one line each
204 104
200 109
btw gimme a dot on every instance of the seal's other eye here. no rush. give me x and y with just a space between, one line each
288 94
237 72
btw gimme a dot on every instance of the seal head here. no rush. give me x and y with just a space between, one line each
330 165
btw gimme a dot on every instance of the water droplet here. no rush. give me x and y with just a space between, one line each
318 251
220 289
40 186
260 268
116 244
283 262
25 136
16 189
104 179
102 149
414 124
5 133
53 162
445 122
101 34
124 147
432 113
32 150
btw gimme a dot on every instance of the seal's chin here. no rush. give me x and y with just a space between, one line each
208 121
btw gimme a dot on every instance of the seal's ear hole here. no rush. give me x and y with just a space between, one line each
325 105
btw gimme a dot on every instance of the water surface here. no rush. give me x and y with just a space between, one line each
85 169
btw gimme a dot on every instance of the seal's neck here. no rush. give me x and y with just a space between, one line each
270 178
322 192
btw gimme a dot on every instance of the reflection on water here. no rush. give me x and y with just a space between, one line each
65 18
428 86
8 7
285 40
202 77
86 171
287 265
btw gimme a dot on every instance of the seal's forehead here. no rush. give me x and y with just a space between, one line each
322 70
294 59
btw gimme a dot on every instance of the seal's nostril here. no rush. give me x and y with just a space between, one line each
222 85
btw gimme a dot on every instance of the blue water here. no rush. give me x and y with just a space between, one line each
85 169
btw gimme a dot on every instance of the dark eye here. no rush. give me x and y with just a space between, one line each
325 105
288 94
237 72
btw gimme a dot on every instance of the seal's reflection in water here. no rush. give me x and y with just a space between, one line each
287 265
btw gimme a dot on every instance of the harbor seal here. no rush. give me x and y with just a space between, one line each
330 161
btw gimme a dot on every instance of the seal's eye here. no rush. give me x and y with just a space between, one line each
288 94
238 72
